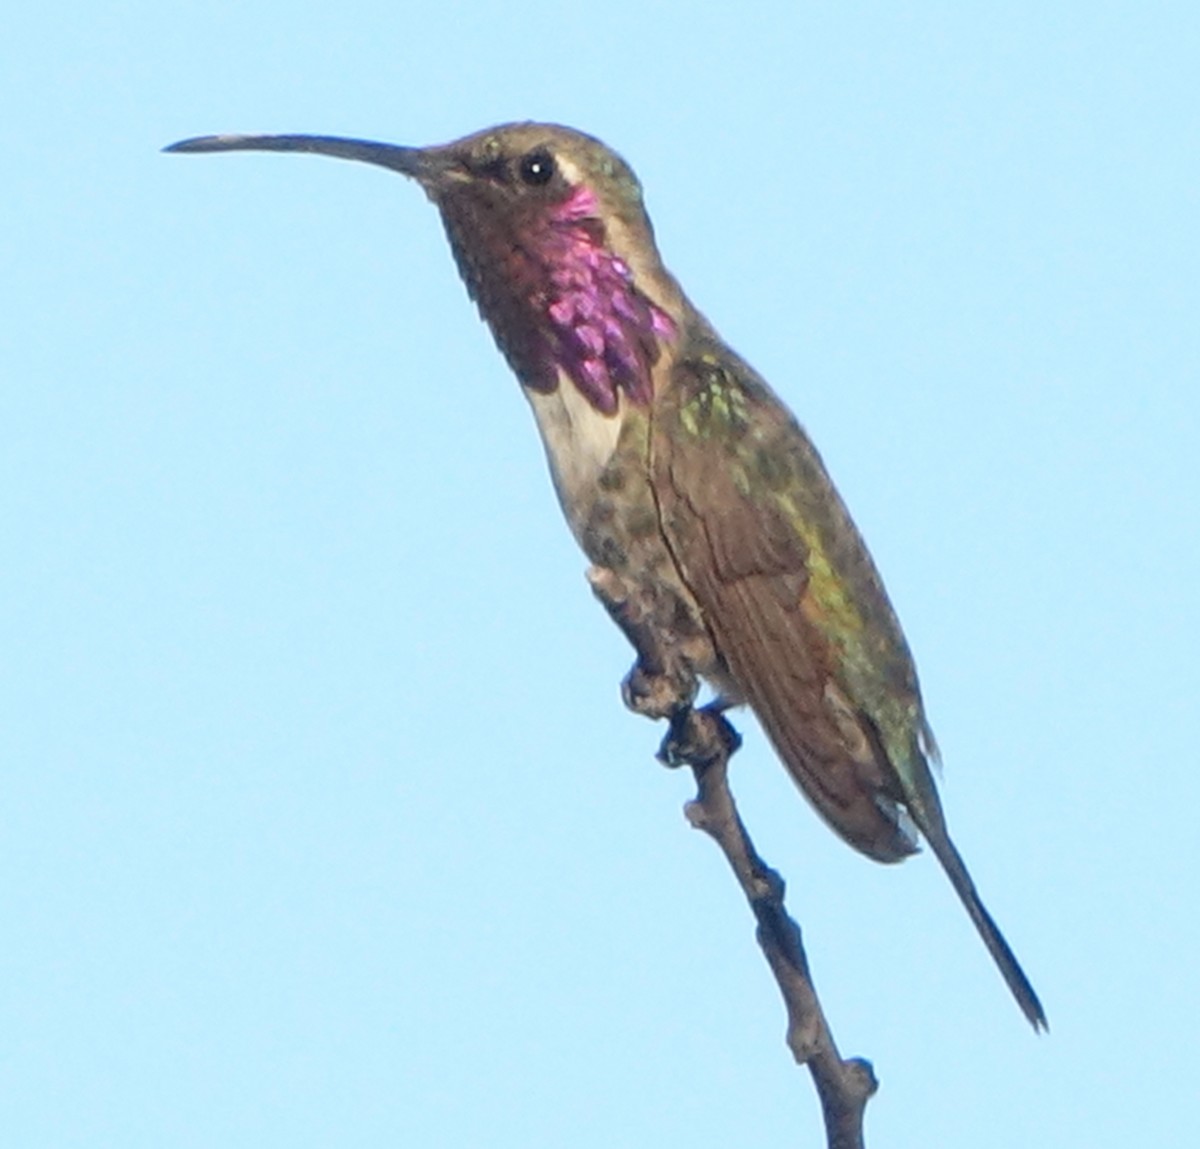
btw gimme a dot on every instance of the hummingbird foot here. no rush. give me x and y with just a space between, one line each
661 683
654 692
699 738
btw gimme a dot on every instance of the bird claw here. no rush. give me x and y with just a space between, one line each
658 694
699 738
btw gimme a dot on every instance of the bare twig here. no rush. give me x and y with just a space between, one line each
663 684
704 740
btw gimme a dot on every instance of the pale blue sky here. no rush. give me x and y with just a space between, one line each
320 820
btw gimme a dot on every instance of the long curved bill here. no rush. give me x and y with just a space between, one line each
415 162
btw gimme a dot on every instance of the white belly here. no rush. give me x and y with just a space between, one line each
579 442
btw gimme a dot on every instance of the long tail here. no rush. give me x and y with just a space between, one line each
1003 956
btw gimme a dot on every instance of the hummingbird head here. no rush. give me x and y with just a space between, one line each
551 237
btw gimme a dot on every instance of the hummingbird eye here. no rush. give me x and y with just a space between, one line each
537 167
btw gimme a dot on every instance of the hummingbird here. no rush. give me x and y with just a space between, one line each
716 538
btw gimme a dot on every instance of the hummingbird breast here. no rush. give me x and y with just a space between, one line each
611 502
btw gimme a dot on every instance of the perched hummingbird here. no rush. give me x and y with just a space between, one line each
717 540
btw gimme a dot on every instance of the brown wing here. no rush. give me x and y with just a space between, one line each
752 521
801 620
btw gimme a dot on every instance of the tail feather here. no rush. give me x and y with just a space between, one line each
1002 954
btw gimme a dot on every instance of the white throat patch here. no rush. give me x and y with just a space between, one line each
579 442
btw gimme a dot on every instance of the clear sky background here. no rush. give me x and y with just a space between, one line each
321 822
